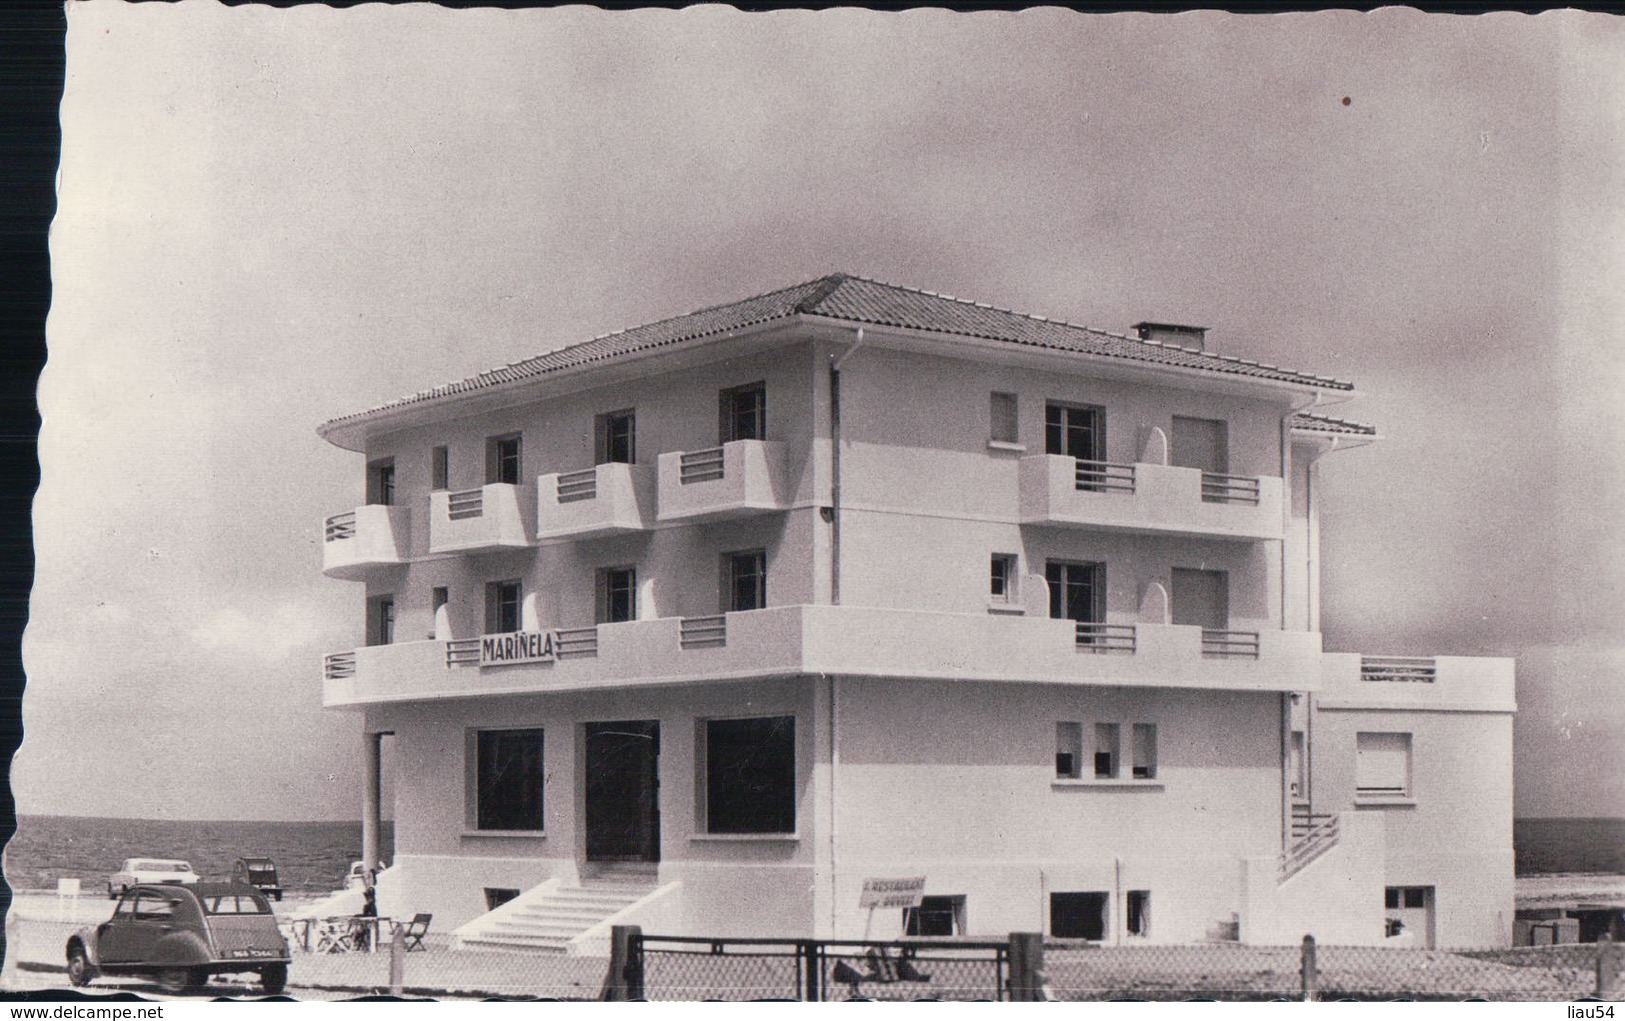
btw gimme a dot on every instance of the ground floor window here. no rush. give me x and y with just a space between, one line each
1137 912
750 774
936 916
508 780
1078 915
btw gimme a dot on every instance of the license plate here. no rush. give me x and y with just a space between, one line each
254 953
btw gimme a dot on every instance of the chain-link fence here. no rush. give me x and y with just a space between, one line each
687 968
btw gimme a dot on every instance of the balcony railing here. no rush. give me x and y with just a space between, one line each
1218 488
738 479
1104 476
470 503
703 632
581 485
1229 644
853 640
340 526
1398 668
496 516
1147 498
1103 638
338 666
358 541
702 466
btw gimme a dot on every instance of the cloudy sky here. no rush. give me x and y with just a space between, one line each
273 217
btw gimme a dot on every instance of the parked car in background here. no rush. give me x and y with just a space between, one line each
182 936
260 873
148 870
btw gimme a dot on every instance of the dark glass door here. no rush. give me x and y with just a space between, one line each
1075 591
622 791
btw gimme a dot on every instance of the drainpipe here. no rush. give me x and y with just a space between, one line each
835 469
834 766
1117 901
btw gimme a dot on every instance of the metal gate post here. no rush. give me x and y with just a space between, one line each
813 977
1311 971
625 978
1026 966
1607 968
397 960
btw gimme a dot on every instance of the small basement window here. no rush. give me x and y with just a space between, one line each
495 897
936 916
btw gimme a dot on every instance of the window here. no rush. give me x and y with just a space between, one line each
750 774
936 916
1078 915
1144 750
381 620
1200 598
743 412
441 598
1295 766
502 459
1382 765
496 896
1003 587
1076 591
153 907
617 438
617 594
508 780
381 482
1107 740
1003 423
440 468
1068 751
502 607
1075 431
1200 443
744 581
1137 907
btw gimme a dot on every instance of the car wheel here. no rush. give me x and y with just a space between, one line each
80 970
274 978
180 980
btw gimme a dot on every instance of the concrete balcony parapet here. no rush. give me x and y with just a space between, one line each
734 480
792 640
496 516
606 500
1057 490
371 536
1463 683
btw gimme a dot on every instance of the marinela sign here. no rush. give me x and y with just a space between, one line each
518 647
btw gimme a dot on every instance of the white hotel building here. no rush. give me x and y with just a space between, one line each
702 624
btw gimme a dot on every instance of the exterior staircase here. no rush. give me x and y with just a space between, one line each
550 916
1313 834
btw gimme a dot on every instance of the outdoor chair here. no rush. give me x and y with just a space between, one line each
414 931
884 969
335 936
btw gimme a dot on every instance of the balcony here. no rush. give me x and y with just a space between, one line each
1064 491
606 500
494 517
794 640
1465 683
734 480
355 542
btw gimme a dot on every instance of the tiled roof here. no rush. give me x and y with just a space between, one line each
860 300
1332 426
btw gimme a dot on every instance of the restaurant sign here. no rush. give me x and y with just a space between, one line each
892 893
518 647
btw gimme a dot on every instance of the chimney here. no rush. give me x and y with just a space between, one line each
1173 334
